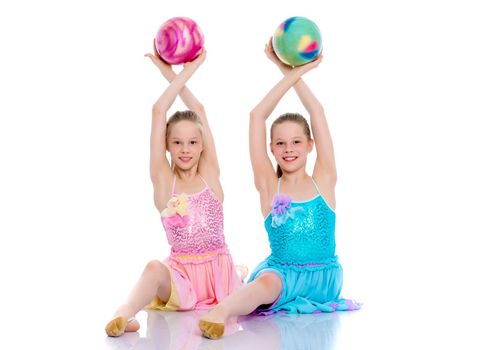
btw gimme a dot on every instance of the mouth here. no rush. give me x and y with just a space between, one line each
185 159
289 159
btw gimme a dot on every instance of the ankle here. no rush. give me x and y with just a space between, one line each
125 311
218 314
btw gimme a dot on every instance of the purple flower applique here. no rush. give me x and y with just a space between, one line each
282 210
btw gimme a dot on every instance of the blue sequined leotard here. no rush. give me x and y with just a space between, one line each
302 242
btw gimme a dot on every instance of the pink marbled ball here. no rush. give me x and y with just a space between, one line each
179 40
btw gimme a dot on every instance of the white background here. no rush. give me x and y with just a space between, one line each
406 87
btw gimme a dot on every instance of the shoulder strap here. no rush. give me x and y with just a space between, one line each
173 184
316 186
205 183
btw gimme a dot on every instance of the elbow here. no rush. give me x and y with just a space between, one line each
319 110
157 110
199 109
254 115
259 114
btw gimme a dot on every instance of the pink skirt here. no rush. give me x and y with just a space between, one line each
198 281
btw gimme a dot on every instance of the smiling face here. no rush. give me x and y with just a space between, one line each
290 146
185 145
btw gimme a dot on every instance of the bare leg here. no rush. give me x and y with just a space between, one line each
155 280
264 290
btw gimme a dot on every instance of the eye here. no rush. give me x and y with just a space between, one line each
297 141
279 143
194 142
177 142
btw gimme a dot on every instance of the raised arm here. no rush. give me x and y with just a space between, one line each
325 162
209 159
160 170
264 175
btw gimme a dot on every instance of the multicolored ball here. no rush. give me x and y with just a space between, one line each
179 40
297 41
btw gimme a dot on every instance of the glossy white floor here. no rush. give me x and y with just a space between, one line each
366 328
180 331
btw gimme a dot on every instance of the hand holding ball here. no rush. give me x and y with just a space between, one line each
179 40
297 41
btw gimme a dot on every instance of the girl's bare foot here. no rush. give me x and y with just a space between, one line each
133 325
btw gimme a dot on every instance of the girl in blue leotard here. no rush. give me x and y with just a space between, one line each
302 274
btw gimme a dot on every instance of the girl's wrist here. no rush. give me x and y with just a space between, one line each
168 75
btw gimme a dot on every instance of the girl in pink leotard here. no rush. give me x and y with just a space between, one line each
199 272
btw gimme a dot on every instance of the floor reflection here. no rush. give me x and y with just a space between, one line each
179 331
288 332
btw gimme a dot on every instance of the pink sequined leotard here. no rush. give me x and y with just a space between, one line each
200 264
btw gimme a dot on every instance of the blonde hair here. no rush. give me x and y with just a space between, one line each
295 118
184 115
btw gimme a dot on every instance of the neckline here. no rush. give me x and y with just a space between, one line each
308 200
312 181
188 194
192 194
200 192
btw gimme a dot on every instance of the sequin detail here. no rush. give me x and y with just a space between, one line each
204 230
309 239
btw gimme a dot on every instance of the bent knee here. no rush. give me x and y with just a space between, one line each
271 281
155 267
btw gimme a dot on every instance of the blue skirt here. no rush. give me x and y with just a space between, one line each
306 289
